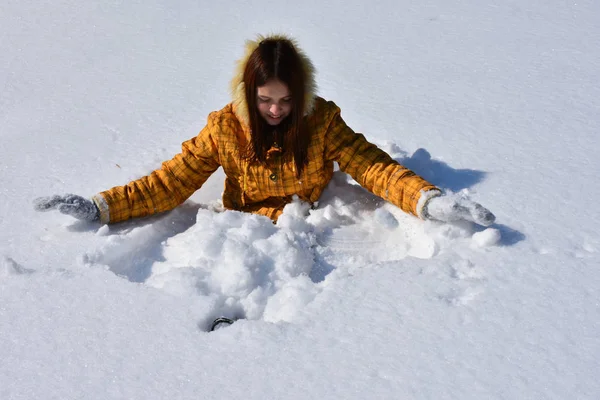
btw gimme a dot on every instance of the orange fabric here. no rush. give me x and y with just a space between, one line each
259 188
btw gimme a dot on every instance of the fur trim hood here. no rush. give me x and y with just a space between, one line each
237 82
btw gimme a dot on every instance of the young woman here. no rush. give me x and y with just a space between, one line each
276 139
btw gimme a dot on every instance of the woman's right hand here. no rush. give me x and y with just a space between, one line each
70 204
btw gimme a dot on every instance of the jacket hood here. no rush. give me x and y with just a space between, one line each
237 82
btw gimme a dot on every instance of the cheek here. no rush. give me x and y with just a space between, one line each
262 107
287 108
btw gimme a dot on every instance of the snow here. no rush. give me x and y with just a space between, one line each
489 237
353 300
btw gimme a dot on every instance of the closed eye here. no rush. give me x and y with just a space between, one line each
285 100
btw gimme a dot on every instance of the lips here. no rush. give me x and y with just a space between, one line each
274 119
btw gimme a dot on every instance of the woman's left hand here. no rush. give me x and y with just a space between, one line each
453 207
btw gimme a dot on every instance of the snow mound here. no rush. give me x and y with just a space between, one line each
243 266
244 263
387 234
486 238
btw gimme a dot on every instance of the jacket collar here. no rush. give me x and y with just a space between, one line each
240 106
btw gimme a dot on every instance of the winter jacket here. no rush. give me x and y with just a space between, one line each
260 188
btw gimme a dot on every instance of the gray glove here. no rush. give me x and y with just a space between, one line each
453 207
70 204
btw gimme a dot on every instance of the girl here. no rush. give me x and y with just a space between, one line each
276 139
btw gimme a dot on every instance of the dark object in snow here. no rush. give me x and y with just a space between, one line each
220 322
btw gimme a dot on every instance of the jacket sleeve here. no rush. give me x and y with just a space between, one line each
374 169
167 187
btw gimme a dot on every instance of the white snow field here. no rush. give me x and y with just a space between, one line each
498 100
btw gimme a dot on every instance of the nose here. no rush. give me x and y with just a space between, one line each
274 109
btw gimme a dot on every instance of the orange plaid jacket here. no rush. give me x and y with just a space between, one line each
265 188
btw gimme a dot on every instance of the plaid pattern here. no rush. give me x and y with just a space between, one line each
265 188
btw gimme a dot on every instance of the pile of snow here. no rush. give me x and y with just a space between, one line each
244 266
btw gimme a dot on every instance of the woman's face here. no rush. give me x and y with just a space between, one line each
274 101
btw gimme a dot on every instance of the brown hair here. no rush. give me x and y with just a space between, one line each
277 59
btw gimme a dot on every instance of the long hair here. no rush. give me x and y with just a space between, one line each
277 59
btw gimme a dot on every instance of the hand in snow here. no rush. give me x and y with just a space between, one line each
70 204
454 207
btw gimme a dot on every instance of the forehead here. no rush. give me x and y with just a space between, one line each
273 89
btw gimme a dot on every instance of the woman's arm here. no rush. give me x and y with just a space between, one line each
374 169
167 187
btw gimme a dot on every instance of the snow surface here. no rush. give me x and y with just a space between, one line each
496 99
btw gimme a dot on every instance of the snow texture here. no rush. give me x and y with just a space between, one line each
497 101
